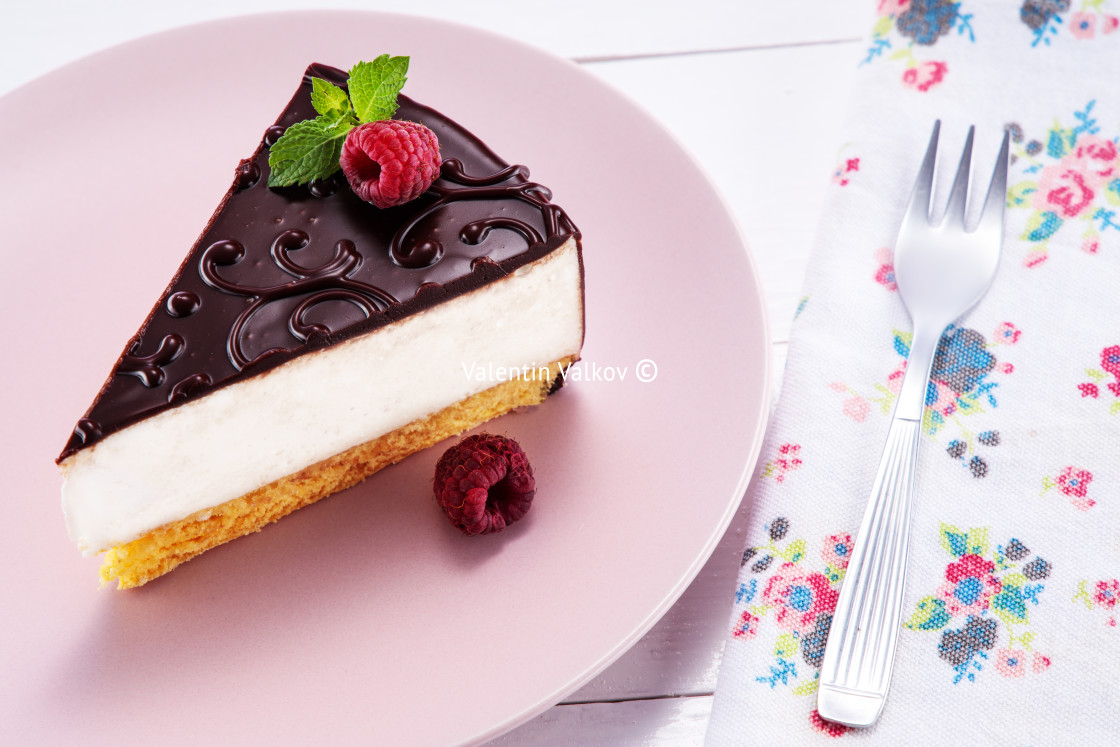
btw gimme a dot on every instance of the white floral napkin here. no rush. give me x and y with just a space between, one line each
1010 630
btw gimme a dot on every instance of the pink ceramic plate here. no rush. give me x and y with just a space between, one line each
366 618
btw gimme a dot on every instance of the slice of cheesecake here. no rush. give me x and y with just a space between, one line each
310 339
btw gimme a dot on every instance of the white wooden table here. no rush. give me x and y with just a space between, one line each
770 78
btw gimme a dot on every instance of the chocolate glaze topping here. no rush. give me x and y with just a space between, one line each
281 272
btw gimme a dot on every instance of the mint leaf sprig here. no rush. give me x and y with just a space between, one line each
374 87
329 100
309 150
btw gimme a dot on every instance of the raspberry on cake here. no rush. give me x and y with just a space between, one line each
311 338
390 163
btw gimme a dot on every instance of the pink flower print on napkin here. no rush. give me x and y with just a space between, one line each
1110 367
1063 190
970 586
891 7
925 75
895 378
1074 484
857 408
884 274
1106 593
1102 595
1071 175
940 398
1011 662
837 551
1089 389
842 174
828 728
799 596
747 626
855 405
1083 25
1095 158
1006 334
1110 360
787 460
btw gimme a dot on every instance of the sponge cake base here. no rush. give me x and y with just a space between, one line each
159 551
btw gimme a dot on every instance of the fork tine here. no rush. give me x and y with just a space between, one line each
996 200
958 196
921 199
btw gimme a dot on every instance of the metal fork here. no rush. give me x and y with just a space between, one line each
941 272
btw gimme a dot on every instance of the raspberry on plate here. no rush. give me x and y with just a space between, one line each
484 483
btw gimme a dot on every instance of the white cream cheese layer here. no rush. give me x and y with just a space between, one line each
248 434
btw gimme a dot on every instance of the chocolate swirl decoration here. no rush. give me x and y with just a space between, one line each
429 251
87 430
149 368
330 281
188 387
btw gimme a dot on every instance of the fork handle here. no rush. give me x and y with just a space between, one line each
912 396
859 653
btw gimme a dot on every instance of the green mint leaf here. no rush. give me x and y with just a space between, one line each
374 87
308 150
328 99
